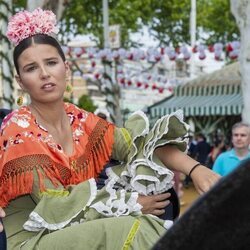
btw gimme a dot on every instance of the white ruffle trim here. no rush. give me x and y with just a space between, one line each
36 223
152 142
114 206
133 183
168 224
156 187
143 133
145 118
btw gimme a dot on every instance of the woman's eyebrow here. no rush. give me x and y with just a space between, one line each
51 58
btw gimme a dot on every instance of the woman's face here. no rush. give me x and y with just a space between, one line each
42 73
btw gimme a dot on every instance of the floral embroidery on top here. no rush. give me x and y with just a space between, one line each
24 119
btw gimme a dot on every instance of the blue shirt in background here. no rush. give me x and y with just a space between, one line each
226 162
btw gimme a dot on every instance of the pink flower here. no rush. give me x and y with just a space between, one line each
25 24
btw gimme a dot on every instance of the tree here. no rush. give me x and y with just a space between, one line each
57 6
216 21
241 10
86 103
168 21
85 17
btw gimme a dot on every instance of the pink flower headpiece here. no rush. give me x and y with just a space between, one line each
25 24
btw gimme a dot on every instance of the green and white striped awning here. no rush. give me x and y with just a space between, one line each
230 104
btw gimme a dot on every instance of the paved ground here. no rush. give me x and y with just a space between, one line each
189 196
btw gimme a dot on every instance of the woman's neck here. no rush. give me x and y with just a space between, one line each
49 115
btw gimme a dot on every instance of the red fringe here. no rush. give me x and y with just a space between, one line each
21 183
17 177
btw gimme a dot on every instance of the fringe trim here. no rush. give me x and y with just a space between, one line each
18 176
97 154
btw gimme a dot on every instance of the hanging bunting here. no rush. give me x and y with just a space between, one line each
159 83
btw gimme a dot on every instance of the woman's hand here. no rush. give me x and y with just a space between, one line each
2 214
154 204
204 178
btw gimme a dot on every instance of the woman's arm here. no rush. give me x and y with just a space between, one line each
203 178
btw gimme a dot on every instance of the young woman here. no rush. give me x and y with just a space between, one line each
51 152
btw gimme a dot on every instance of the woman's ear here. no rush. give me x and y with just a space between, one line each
67 68
19 81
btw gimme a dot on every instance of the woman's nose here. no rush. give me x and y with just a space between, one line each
44 72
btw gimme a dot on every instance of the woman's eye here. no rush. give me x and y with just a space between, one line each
52 63
29 69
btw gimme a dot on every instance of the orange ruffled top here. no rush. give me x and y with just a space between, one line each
25 147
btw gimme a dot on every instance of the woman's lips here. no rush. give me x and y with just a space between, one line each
48 86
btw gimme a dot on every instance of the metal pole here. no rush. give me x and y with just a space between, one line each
192 34
113 95
105 23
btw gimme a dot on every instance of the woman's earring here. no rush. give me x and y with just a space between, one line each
19 100
68 88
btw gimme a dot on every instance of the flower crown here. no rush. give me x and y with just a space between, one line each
25 24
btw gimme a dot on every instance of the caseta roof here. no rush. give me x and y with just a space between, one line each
218 93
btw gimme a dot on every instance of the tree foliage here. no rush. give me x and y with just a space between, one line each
86 103
86 17
168 21
216 21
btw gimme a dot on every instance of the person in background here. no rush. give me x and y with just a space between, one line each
51 153
192 147
217 148
202 149
226 162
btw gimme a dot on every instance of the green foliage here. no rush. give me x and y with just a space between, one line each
66 99
86 103
168 20
216 20
86 17
17 4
